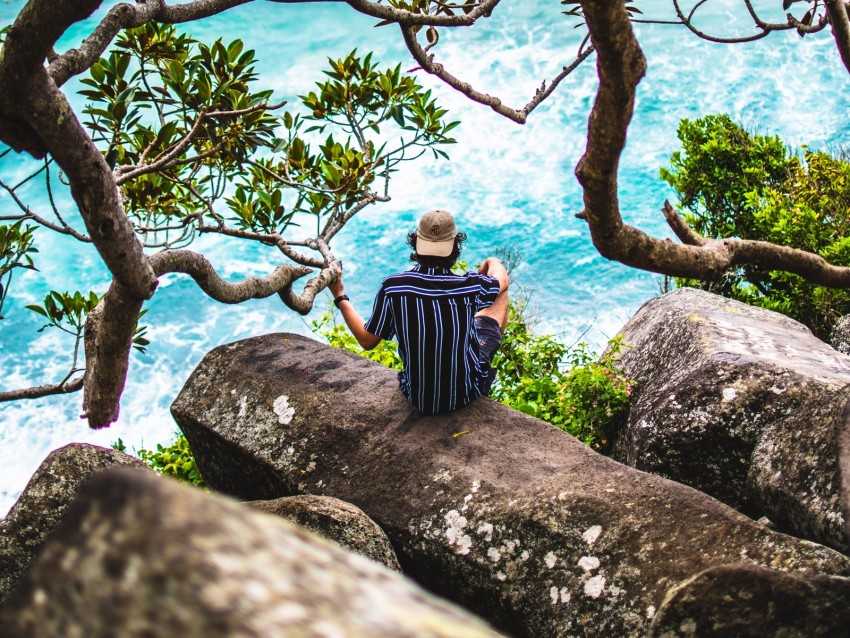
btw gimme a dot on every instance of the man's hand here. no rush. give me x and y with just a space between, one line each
492 267
336 287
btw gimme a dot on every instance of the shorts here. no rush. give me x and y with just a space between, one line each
489 340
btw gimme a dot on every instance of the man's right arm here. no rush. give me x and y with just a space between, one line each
352 318
492 267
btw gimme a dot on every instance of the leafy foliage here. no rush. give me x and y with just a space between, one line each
536 374
735 183
175 460
195 147
568 387
67 312
162 99
16 250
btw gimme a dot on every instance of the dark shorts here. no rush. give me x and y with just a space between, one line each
489 340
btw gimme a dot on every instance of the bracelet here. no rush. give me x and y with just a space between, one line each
340 299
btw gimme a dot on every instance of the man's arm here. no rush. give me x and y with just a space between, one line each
352 318
492 267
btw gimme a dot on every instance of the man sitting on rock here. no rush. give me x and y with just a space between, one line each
448 326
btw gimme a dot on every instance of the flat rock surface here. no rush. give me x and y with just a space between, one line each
140 556
794 471
752 602
711 374
43 502
335 520
501 512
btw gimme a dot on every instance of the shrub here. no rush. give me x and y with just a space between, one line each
735 183
175 460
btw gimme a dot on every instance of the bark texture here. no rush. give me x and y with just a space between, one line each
503 513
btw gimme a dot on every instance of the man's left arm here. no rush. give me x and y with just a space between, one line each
352 318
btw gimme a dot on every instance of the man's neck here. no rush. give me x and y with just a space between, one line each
432 270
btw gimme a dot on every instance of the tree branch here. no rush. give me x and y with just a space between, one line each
426 61
128 16
406 18
36 29
837 11
620 66
92 184
109 331
684 232
303 303
64 229
199 268
43 390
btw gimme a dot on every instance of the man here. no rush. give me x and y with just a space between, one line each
448 326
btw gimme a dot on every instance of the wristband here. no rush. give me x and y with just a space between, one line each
340 299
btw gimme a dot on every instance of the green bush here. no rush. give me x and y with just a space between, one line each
536 374
175 460
735 183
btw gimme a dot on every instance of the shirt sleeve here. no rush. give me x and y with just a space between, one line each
488 293
381 322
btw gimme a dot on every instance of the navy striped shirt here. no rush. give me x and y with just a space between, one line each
431 312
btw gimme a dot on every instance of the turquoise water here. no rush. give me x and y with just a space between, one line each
511 186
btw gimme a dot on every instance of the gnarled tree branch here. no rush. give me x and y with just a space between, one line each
108 339
408 18
837 11
620 66
426 61
201 270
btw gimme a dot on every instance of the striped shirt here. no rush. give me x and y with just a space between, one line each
431 312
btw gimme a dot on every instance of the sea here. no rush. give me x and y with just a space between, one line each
512 188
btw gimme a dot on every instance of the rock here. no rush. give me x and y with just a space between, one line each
44 501
752 602
794 475
844 473
840 337
503 513
337 521
139 556
711 374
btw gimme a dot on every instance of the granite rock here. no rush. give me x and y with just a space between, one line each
337 521
503 513
752 602
712 374
139 556
794 471
43 502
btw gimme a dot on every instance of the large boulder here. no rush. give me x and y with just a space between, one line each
794 472
138 556
746 601
711 374
43 502
840 337
337 521
844 471
499 511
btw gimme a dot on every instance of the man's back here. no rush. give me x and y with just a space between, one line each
431 311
